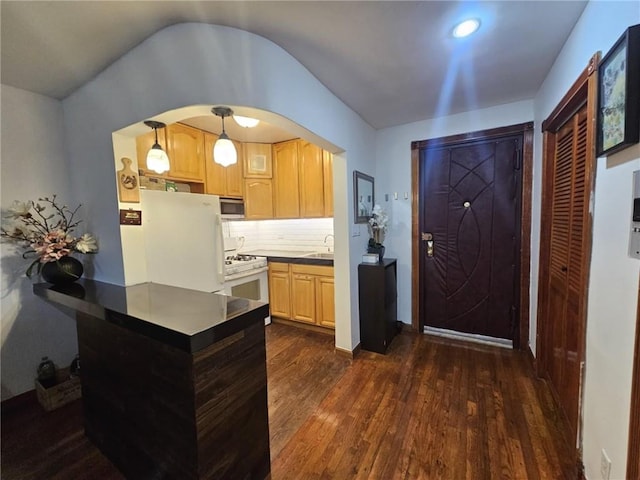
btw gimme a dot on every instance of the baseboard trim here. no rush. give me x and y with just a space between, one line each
305 326
348 353
532 359
15 403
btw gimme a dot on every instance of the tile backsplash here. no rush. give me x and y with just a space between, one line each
301 235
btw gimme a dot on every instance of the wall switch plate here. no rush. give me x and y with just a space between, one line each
356 231
605 465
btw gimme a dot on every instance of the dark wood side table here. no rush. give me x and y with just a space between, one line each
377 293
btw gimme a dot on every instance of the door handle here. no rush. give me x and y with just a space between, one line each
428 238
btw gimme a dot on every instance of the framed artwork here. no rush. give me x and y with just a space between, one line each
618 124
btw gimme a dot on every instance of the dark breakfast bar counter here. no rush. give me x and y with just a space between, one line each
173 380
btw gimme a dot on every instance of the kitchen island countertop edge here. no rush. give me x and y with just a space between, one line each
186 319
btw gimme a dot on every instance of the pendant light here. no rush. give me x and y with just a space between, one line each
224 151
157 159
246 122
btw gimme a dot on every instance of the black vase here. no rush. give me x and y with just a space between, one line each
65 270
379 249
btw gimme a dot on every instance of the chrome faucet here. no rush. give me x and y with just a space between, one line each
325 241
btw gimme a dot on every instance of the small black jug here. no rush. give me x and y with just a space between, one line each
74 368
47 373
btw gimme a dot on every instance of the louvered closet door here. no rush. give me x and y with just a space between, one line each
566 274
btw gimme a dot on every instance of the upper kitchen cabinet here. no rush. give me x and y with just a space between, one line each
327 165
311 180
143 145
222 181
286 200
185 147
235 174
257 160
258 199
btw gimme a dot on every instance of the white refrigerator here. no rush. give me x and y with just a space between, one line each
183 239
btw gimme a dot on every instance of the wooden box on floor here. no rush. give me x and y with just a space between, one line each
64 391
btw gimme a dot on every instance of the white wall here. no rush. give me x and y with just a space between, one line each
613 275
393 174
198 64
33 165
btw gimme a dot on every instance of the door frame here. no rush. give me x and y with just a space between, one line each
521 338
583 91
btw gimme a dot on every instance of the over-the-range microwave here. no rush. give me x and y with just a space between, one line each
231 207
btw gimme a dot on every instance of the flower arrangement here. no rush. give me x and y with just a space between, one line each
377 226
44 229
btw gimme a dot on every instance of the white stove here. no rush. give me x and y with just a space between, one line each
246 276
239 266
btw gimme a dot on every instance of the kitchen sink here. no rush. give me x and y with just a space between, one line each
323 255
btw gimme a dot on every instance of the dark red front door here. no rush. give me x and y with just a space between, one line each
470 208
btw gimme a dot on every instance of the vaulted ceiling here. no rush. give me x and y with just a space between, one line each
393 62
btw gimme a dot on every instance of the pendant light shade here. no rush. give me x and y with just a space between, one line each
246 122
157 158
224 151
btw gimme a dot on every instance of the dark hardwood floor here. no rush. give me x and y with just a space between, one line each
429 409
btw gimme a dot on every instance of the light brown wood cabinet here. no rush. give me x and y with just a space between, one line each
222 181
311 180
292 179
325 301
286 192
279 290
327 175
258 199
309 290
185 147
303 297
257 160
144 143
302 180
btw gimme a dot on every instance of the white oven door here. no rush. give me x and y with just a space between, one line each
254 286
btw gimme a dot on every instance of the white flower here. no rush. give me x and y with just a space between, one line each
19 209
87 244
378 224
47 236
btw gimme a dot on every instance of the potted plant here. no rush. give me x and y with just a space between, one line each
377 228
44 229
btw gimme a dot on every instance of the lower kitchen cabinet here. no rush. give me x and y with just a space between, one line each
326 302
302 293
303 297
279 290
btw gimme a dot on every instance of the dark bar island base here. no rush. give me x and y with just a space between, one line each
182 398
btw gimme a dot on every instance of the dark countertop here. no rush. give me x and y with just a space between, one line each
286 256
186 319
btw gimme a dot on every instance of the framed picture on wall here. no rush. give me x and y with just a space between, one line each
618 124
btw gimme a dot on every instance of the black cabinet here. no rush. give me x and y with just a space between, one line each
378 304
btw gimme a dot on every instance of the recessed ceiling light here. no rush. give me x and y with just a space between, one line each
246 122
466 28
